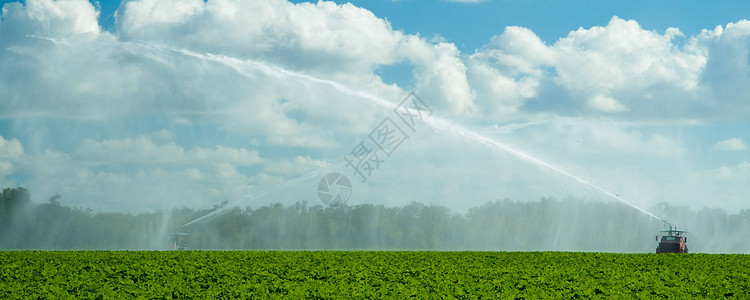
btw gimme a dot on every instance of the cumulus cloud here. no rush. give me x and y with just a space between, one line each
10 152
146 17
729 185
337 36
46 17
509 70
615 68
728 69
298 164
623 55
441 76
739 173
138 175
733 144
143 150
100 77
341 42
606 104
347 44
195 100
596 142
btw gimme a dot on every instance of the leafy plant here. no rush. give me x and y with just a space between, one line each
363 274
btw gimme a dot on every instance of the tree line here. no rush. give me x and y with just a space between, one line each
506 225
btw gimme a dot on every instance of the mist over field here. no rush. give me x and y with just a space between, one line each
500 225
332 125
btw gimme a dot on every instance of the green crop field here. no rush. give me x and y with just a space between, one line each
347 275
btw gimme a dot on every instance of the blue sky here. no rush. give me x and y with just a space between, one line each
471 25
190 103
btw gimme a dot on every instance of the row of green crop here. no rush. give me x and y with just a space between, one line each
465 275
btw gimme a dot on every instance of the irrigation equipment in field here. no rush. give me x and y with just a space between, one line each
179 241
673 241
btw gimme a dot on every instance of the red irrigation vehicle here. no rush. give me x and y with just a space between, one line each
179 241
672 241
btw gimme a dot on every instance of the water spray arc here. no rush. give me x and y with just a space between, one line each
433 121
441 123
260 194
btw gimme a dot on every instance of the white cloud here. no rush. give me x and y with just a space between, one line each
285 84
728 69
606 104
623 55
295 166
733 144
162 177
10 150
143 16
143 150
739 173
160 61
6 168
728 186
509 70
333 37
45 17
520 48
340 42
597 142
616 68
441 76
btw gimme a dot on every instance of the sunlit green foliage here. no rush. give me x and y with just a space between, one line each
347 275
